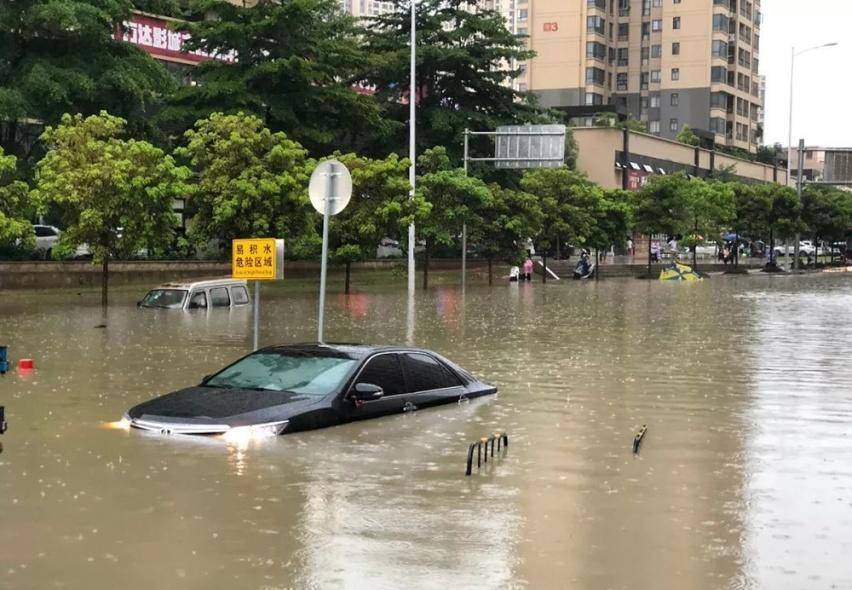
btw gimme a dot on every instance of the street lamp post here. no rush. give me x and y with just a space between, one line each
793 55
412 150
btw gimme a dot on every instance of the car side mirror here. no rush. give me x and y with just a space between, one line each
366 392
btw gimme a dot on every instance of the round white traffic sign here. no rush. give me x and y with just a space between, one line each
330 183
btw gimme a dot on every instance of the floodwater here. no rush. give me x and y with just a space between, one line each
744 479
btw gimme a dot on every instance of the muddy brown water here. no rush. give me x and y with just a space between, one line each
744 479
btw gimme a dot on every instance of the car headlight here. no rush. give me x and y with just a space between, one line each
241 435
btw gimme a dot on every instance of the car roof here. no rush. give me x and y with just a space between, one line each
355 350
202 283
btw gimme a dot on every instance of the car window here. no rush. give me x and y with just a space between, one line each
219 297
240 295
198 300
385 371
274 371
44 232
164 298
424 373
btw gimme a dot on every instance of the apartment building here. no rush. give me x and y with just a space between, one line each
669 63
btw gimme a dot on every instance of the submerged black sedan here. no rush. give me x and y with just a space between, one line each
306 386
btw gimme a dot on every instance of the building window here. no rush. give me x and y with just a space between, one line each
522 14
643 102
655 76
721 23
593 98
675 48
655 101
656 25
673 125
717 125
623 31
675 73
595 50
720 49
623 56
719 100
718 74
596 24
643 81
645 53
621 82
646 30
676 22
657 3
675 99
656 51
654 127
595 76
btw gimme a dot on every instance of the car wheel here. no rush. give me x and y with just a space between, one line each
48 254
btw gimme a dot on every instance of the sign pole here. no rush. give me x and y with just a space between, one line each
329 197
256 317
464 222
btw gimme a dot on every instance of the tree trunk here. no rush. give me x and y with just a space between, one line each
490 272
737 249
597 264
695 248
426 265
771 246
649 256
348 273
105 281
558 249
544 266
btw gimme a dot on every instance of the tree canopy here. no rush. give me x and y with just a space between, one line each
15 206
249 182
298 62
61 56
465 56
116 194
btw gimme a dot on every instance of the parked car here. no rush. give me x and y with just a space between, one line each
197 295
806 248
47 236
306 386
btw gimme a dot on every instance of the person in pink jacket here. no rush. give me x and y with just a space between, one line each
528 270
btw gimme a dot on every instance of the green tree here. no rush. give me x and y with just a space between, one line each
512 217
250 182
663 206
827 213
688 137
784 215
15 206
465 57
116 194
612 219
298 61
380 207
569 202
751 212
60 56
455 199
610 119
712 208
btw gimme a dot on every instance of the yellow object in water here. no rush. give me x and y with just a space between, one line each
679 272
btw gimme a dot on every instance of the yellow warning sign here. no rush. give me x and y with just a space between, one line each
256 259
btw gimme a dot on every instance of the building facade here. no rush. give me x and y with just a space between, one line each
669 63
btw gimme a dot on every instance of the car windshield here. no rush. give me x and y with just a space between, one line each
285 371
169 298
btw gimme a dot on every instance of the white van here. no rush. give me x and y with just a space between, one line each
198 295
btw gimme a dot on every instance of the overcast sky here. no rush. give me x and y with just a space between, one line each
823 78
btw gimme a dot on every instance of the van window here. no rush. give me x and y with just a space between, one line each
198 300
384 370
240 295
423 373
219 297
42 231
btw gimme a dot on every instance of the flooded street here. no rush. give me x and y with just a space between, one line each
744 479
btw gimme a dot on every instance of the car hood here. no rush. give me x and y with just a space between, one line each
228 406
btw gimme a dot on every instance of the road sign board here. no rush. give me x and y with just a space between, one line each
257 259
530 146
332 183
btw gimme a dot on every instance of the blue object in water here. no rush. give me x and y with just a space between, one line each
4 363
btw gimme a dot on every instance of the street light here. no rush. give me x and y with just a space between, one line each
793 55
412 151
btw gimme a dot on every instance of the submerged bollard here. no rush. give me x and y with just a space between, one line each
637 440
26 364
3 425
4 360
500 439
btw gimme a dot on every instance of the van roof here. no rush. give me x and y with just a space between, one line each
204 283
